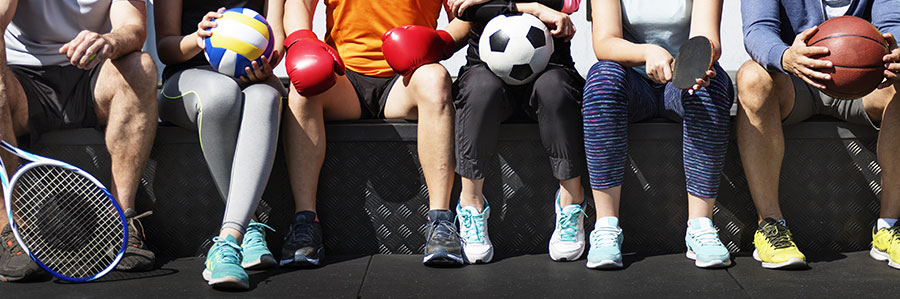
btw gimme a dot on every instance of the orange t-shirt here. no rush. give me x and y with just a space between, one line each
355 28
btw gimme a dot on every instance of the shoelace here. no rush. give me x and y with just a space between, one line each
895 232
706 236
255 235
135 224
442 230
14 249
226 256
474 227
605 236
568 224
302 232
777 235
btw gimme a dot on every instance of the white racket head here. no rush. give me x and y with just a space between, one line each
64 218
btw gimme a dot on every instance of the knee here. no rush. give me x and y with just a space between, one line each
137 66
220 99
605 81
479 89
755 85
263 95
432 84
554 93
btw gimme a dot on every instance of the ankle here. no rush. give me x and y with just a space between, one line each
885 223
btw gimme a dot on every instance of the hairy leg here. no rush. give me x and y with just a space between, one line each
884 105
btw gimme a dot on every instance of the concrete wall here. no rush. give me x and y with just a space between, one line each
732 41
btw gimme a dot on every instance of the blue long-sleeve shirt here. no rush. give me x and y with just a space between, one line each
770 26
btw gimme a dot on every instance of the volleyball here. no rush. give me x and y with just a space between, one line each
241 36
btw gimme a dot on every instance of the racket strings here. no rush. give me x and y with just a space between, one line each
68 222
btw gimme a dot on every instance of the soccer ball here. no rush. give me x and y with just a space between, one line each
516 48
240 37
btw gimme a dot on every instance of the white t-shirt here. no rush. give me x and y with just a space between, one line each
40 27
666 23
836 8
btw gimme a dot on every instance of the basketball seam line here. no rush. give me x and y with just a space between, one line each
844 35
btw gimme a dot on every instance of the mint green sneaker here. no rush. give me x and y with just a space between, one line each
704 246
606 244
255 250
223 268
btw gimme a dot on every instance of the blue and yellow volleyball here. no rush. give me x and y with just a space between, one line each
241 35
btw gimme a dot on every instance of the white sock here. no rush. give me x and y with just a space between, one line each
885 223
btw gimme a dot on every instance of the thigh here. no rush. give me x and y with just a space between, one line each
186 93
643 100
403 98
477 90
875 103
340 102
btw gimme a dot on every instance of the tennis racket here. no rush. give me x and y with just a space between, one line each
63 217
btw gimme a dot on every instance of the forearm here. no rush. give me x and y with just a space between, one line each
178 49
126 39
275 17
620 50
459 30
706 18
298 14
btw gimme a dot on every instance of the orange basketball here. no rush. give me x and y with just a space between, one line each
855 48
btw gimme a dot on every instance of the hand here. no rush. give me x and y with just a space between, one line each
796 60
658 64
205 24
702 82
560 24
87 50
260 71
891 63
457 7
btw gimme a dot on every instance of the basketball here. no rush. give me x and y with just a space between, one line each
856 48
241 36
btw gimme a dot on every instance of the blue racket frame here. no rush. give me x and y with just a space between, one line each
36 161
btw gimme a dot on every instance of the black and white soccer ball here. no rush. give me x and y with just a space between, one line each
516 48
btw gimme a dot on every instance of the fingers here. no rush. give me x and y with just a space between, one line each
74 43
667 72
462 7
804 74
803 36
454 7
711 73
91 53
892 42
812 51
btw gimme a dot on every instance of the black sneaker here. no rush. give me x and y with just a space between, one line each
15 265
442 247
303 242
137 256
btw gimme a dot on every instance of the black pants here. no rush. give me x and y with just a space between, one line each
483 101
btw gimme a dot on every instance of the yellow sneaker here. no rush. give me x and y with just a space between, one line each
886 245
775 248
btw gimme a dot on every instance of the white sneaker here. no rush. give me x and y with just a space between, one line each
473 234
567 241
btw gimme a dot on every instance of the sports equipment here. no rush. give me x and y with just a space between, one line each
223 265
694 58
241 36
567 240
855 48
886 245
473 232
303 242
256 254
406 48
775 247
606 245
63 218
516 48
704 246
442 245
310 63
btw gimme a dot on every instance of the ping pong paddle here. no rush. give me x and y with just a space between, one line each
694 58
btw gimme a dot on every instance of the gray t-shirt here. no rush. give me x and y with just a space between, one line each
836 8
665 23
40 27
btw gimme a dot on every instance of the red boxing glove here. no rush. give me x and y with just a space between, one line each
310 63
409 47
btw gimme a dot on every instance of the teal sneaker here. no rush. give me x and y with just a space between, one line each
704 246
223 268
606 244
254 248
473 233
567 240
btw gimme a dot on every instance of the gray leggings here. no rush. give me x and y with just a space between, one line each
238 127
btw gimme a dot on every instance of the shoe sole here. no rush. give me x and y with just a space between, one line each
481 260
562 257
791 263
300 261
710 264
230 283
607 264
442 258
882 256
264 262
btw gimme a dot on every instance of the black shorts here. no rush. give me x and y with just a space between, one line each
372 93
59 97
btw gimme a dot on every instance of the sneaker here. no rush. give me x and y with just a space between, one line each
473 232
606 245
775 248
15 265
254 249
704 246
303 242
223 265
137 256
886 245
442 246
567 241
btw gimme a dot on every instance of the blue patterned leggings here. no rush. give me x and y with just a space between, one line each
615 95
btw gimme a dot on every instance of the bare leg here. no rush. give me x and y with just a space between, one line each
13 119
304 136
884 105
765 100
606 201
471 193
126 102
570 192
425 95
700 207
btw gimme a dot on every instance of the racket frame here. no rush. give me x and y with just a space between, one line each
37 161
